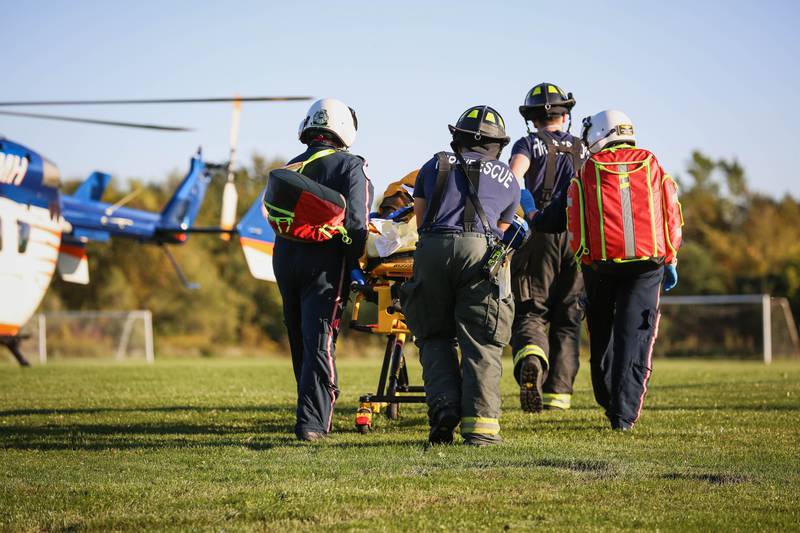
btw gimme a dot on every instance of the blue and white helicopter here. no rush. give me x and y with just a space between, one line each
44 231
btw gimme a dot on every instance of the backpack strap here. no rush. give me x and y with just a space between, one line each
473 172
301 165
552 150
473 175
576 150
443 165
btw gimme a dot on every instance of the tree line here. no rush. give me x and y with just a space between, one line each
736 240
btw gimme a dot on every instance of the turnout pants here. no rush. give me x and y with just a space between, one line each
449 303
313 282
622 316
547 287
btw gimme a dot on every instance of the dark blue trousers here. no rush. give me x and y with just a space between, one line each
622 316
313 283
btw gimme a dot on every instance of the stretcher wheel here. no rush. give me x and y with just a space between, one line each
393 411
364 419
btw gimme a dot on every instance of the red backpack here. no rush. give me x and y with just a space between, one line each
298 208
623 208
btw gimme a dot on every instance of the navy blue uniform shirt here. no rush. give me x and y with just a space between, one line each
346 173
498 193
532 147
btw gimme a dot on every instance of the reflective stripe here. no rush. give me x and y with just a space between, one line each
629 234
480 426
314 157
553 399
599 191
531 349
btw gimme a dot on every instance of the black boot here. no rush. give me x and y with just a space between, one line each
531 376
442 427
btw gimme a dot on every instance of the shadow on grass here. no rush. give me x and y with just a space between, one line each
162 409
255 435
725 407
712 478
585 467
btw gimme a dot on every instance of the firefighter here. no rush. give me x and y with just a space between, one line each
464 200
628 247
546 284
314 277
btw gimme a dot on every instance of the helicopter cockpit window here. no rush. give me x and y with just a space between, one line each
23 236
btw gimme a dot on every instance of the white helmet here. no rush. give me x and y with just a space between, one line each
606 127
333 116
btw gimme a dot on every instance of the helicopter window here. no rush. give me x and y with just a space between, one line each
23 236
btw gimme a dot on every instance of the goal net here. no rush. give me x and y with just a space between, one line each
744 326
121 335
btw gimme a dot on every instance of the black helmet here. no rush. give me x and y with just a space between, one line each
546 100
483 123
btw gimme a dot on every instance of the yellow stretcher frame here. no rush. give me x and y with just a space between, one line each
384 280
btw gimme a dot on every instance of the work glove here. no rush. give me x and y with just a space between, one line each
357 278
527 203
670 277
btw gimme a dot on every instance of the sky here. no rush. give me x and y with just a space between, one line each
721 77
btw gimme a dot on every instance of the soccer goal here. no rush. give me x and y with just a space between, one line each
121 335
744 326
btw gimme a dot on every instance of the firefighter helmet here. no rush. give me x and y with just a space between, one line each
546 100
482 122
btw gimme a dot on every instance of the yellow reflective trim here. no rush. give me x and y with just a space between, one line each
473 114
553 399
479 425
500 120
536 90
490 117
553 89
530 349
314 157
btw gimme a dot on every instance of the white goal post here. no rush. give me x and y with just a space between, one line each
95 333
775 318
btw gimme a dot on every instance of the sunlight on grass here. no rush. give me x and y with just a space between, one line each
208 444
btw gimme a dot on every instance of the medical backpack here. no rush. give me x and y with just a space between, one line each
301 209
623 208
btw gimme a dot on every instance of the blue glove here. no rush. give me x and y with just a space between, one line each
527 203
670 277
357 277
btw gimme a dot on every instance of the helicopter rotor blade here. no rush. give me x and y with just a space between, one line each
95 121
161 101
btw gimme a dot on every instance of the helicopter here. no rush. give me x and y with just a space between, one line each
44 231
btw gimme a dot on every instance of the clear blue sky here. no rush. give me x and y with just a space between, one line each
722 77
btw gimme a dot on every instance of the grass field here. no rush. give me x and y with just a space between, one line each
207 444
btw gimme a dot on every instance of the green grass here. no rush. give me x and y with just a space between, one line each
207 444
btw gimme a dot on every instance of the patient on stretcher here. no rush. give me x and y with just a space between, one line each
393 229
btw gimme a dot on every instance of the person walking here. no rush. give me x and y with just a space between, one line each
464 201
547 287
623 222
314 277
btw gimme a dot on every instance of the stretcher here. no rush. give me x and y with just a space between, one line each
384 277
